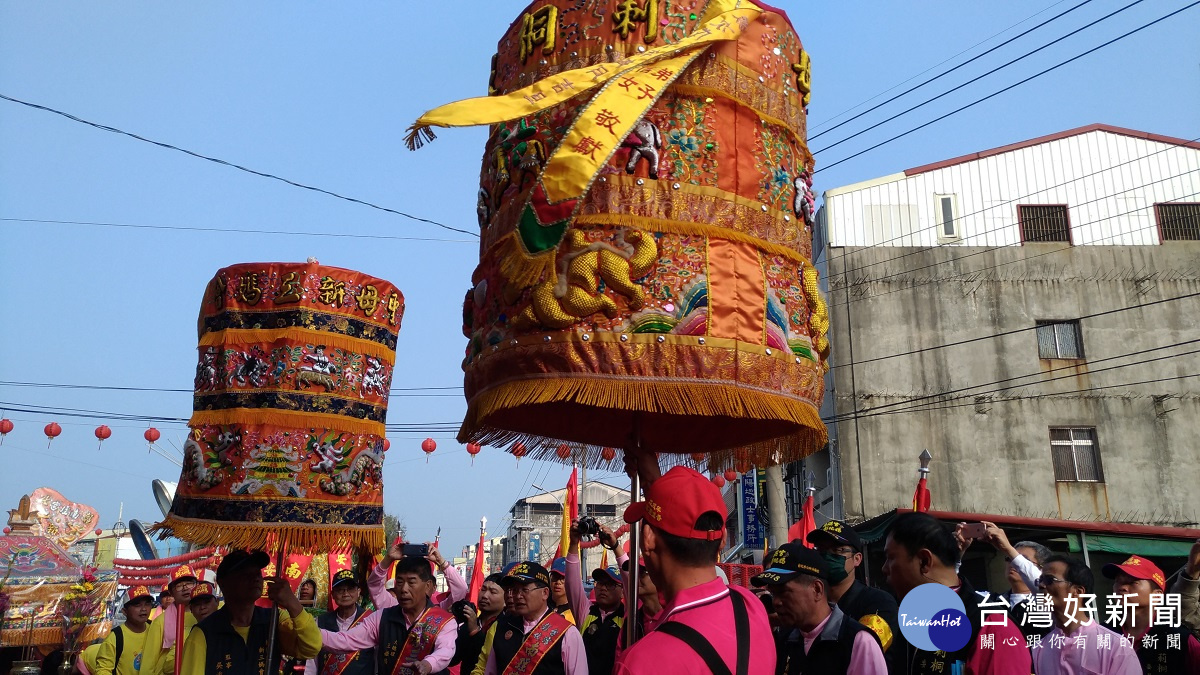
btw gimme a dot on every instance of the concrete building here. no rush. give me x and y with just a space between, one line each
1024 314
535 522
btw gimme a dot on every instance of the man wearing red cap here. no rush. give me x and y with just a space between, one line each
173 624
121 651
204 601
1161 643
705 626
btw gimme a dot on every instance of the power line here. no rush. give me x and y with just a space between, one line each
915 404
976 79
966 63
940 63
1008 88
237 231
239 167
997 265
99 387
1041 396
962 218
1014 331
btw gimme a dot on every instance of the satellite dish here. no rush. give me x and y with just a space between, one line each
164 494
141 541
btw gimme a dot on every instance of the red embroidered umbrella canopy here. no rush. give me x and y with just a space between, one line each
291 390
646 213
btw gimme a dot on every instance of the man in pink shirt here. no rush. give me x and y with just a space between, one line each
413 633
377 580
705 625
816 637
534 639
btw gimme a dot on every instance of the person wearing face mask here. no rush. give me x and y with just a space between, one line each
841 547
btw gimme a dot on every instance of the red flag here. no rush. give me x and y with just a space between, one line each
921 496
477 572
806 524
570 513
338 561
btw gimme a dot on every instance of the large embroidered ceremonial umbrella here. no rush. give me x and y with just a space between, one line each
645 209
287 434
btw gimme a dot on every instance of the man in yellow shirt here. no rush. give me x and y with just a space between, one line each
233 640
158 658
121 651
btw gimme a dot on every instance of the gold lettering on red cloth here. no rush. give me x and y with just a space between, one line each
630 13
538 27
289 289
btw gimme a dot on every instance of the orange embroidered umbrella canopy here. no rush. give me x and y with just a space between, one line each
646 215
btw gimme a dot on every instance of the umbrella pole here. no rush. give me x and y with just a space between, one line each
635 535
271 632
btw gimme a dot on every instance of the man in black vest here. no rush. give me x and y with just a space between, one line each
233 640
473 630
816 637
432 629
1162 644
872 607
534 639
346 591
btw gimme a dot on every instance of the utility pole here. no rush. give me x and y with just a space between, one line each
776 507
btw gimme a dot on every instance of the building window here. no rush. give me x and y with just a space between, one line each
1044 223
1076 455
946 215
1059 340
1178 222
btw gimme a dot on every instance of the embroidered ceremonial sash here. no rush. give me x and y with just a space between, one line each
537 644
421 638
336 664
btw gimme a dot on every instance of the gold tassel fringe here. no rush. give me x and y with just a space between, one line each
297 537
676 398
247 336
519 267
286 418
418 135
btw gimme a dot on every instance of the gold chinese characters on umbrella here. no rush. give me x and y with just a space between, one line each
291 391
646 214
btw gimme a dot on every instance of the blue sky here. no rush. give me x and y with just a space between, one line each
322 94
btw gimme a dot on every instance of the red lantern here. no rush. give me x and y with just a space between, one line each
102 433
608 454
7 530
428 445
718 481
472 450
731 475
6 426
742 467
98 531
518 451
698 457
151 435
563 451
52 431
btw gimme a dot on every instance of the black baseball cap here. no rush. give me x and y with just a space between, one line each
837 532
790 561
344 577
526 573
238 560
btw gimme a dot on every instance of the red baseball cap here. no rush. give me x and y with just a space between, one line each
1139 568
676 501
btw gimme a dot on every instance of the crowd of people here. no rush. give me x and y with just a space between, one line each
807 612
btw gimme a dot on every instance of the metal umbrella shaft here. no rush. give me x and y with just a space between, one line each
274 629
631 586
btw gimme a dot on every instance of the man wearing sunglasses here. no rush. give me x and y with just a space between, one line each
534 639
1078 643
